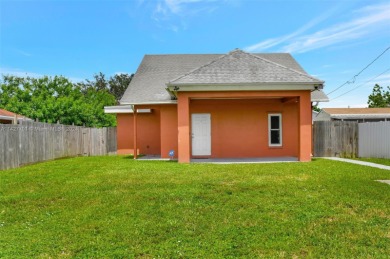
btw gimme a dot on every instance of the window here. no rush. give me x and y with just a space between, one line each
275 130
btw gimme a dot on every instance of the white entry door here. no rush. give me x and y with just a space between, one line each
201 134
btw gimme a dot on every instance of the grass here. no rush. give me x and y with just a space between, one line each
117 207
382 161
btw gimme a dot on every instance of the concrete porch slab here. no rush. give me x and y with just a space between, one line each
154 158
250 160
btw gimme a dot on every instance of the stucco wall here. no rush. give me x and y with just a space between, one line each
239 128
168 126
296 106
124 133
148 125
239 125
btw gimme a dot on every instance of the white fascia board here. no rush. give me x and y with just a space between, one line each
2 117
247 87
11 118
124 109
118 109
319 100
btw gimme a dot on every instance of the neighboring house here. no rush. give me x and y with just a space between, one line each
7 117
314 114
237 105
354 114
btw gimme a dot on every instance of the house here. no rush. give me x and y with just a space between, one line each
354 114
237 105
7 117
313 115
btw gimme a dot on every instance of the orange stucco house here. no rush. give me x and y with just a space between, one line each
237 105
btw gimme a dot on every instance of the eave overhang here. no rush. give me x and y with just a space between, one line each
150 102
268 86
124 109
265 86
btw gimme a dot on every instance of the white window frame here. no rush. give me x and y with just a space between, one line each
280 129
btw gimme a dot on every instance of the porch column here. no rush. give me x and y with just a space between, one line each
305 129
183 120
135 131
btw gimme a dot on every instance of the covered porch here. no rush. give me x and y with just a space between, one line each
239 125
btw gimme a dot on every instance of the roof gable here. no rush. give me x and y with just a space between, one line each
238 67
155 71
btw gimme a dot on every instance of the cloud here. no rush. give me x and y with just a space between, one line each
276 41
367 21
180 6
170 14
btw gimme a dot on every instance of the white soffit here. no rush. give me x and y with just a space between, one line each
124 109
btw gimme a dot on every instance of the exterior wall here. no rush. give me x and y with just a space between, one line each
237 128
168 125
239 125
148 133
156 131
125 131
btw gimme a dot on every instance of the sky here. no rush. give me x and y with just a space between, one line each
332 40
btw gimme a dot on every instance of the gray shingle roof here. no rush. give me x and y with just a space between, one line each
155 71
319 96
238 67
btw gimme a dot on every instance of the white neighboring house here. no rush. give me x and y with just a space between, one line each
7 117
353 114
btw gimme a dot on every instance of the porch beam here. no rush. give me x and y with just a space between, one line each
290 99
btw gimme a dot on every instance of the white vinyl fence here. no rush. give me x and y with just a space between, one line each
374 139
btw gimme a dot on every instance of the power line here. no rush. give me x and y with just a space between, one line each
362 84
355 76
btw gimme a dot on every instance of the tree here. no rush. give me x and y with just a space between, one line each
379 97
52 99
316 108
116 85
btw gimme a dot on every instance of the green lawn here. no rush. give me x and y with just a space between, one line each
117 207
382 161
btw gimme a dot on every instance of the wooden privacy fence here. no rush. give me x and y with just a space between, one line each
335 139
31 142
374 139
